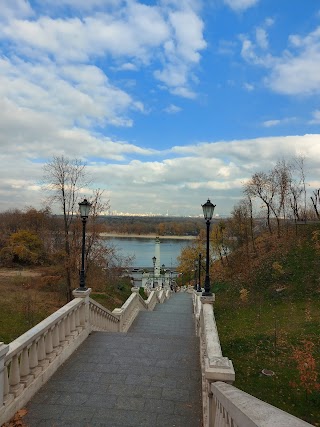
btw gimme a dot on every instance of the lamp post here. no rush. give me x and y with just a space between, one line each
154 259
84 213
208 209
163 273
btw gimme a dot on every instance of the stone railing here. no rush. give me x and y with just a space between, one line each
223 404
232 406
30 360
129 311
135 303
152 300
214 366
161 295
101 319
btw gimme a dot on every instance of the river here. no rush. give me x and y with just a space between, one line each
143 249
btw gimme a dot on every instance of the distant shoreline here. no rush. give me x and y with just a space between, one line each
146 236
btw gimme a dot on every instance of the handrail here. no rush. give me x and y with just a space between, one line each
232 406
32 334
102 319
33 357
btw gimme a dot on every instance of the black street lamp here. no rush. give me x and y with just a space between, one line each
208 209
84 213
154 259
163 273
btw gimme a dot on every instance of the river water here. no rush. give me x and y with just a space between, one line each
143 250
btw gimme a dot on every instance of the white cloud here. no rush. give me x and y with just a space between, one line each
183 178
248 86
172 109
262 38
295 71
277 122
316 118
133 33
240 5
187 176
271 123
15 9
78 94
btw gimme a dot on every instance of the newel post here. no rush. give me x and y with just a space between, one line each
84 313
4 348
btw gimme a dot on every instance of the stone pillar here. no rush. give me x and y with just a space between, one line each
157 255
85 295
4 348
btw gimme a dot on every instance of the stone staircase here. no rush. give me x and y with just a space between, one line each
149 376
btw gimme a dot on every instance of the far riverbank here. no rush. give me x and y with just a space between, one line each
146 236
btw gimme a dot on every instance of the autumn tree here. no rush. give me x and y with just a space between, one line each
63 180
23 247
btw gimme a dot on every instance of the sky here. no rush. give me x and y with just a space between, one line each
167 102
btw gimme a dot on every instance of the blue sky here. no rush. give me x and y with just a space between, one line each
168 102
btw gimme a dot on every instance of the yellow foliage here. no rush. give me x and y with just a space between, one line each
244 294
278 269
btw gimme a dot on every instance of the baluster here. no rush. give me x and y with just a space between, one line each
62 333
67 328
35 368
73 329
55 339
77 317
94 317
50 354
43 362
72 322
101 318
14 377
7 396
83 315
26 377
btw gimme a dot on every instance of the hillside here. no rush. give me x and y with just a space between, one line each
267 312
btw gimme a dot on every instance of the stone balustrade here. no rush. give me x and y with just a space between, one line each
223 404
234 407
152 301
102 319
30 360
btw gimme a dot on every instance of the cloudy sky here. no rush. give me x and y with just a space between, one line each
168 102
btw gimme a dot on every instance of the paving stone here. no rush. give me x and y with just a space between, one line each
149 376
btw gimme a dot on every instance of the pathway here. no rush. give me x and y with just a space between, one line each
149 376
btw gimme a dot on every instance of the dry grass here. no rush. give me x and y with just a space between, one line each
27 297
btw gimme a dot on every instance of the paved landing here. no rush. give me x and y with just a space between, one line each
149 376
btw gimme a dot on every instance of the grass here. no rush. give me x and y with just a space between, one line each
281 310
29 296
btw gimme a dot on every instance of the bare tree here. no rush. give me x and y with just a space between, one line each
63 179
316 201
242 222
299 164
262 185
281 178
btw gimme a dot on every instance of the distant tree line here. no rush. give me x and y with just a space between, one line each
162 226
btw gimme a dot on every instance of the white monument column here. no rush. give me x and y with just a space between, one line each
157 255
